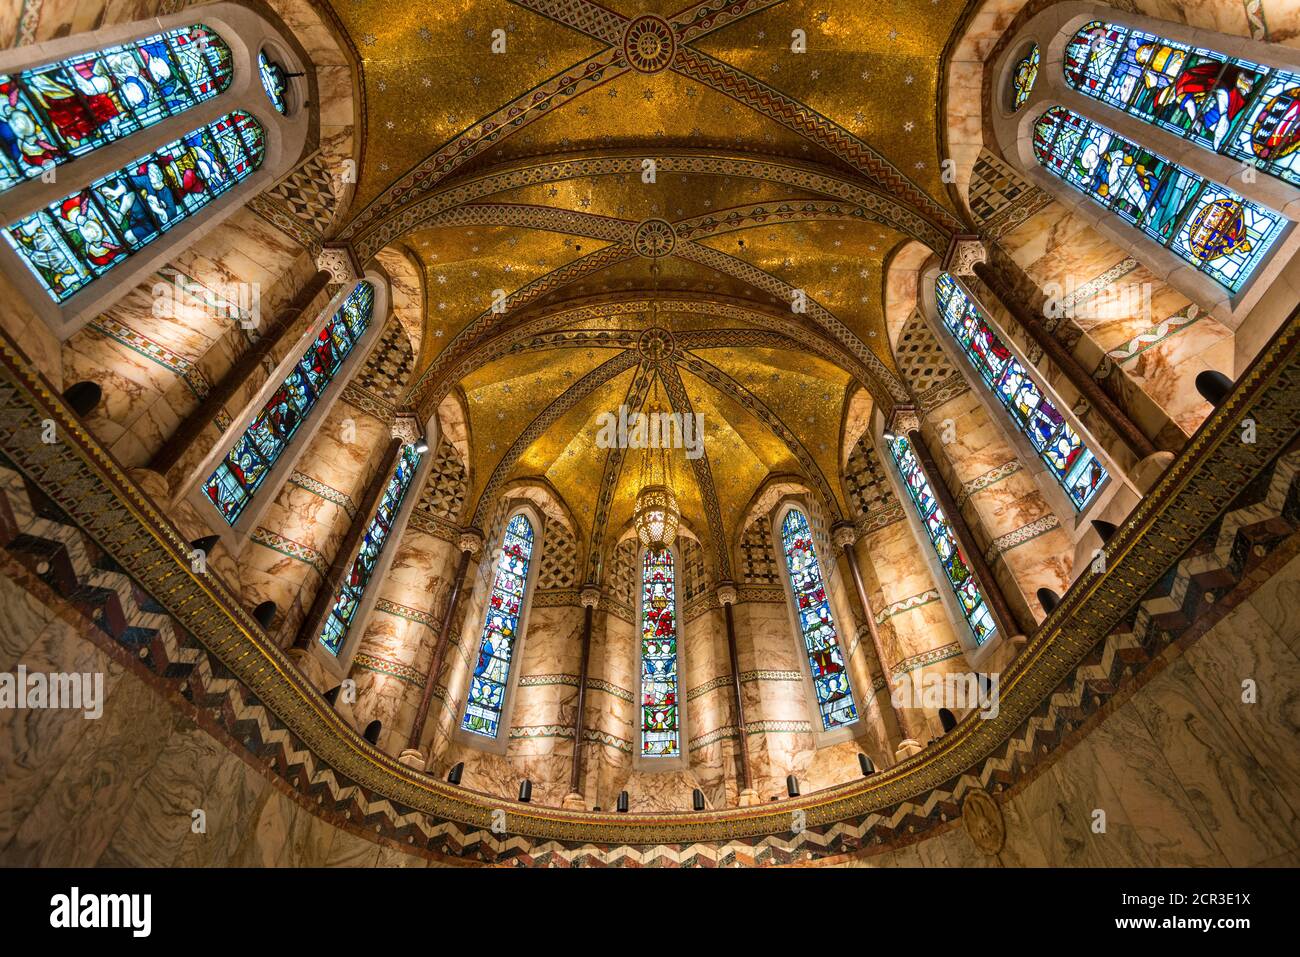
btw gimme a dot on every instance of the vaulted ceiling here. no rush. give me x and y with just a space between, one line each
631 153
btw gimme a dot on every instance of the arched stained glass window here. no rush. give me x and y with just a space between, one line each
84 235
372 545
246 465
1225 104
1023 77
487 688
960 577
1057 444
274 82
660 710
829 674
1207 225
51 114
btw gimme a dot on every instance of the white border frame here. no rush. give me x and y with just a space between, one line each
245 32
234 537
1052 30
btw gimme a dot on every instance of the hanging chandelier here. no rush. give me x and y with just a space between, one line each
655 514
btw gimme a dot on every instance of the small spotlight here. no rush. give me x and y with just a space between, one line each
421 447
454 775
525 791
264 614
622 802
792 785
1214 387
697 799
865 764
889 436
1048 599
1105 530
206 543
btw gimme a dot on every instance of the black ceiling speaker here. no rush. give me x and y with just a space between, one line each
264 614
947 719
82 397
1048 599
454 775
697 799
206 543
792 785
372 732
332 695
525 791
865 764
1214 387
1105 530
622 802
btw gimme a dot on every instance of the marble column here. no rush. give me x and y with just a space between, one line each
748 797
314 622
590 598
471 540
903 738
999 607
193 424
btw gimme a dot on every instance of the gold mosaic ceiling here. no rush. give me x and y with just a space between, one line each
550 178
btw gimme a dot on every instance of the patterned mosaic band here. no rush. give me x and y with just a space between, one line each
287 546
394 669
931 657
907 604
1025 533
321 490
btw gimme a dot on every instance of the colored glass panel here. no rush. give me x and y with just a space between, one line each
1221 103
960 578
660 709
1220 233
1023 77
274 81
51 114
816 624
487 687
71 241
1059 446
377 533
232 486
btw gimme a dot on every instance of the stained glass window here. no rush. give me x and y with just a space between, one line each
82 236
1059 446
1208 226
53 113
274 81
487 688
1023 77
372 545
660 711
250 460
1221 103
830 677
960 577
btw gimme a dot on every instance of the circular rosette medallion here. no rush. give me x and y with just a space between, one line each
656 344
649 44
654 239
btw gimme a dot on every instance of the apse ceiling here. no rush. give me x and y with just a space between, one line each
645 165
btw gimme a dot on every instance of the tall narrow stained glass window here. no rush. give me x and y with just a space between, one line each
1023 77
1225 104
487 688
274 82
960 577
82 236
660 710
1057 444
830 677
376 536
51 114
232 486
1220 233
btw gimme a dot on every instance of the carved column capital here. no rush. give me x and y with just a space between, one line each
844 534
727 593
589 597
471 540
964 253
903 419
340 261
407 428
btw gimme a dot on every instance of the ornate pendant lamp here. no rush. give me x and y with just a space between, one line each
655 515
